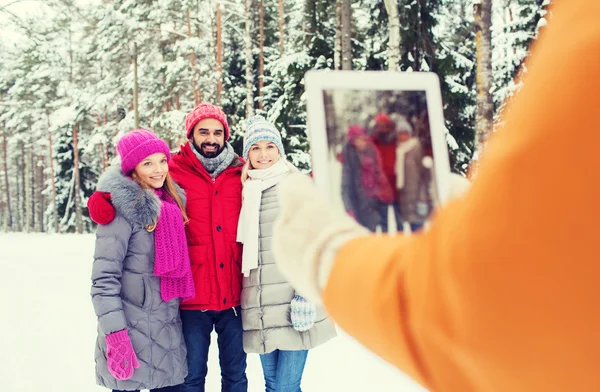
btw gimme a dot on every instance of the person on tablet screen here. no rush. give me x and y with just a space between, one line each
366 190
412 176
401 157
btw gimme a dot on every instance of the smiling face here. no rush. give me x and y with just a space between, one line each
403 136
263 154
209 137
152 171
361 142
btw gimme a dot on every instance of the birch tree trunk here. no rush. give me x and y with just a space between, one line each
485 104
346 35
261 56
8 217
193 62
281 27
394 42
337 45
77 186
219 54
249 70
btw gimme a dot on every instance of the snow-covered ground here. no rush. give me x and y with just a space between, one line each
49 328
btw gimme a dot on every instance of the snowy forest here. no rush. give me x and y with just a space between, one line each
77 77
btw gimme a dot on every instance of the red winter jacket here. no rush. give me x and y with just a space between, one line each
213 208
387 151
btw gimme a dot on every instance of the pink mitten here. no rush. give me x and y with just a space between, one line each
121 358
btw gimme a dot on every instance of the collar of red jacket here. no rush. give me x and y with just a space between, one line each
186 157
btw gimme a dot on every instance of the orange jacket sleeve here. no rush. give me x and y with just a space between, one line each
503 292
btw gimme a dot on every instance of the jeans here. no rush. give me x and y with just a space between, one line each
399 221
197 327
283 370
174 388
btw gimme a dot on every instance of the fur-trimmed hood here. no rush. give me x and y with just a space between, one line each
138 205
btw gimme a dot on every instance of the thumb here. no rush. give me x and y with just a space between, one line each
136 363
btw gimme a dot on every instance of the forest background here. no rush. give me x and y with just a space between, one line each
76 74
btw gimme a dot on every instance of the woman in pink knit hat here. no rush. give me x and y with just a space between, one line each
141 271
365 188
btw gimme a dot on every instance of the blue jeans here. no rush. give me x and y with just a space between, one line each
283 370
399 221
197 327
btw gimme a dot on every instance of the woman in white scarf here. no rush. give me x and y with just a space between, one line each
279 324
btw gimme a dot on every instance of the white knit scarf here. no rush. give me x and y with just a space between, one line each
248 224
401 151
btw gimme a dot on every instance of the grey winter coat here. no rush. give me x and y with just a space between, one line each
126 294
369 211
266 298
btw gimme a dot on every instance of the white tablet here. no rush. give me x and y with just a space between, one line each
378 145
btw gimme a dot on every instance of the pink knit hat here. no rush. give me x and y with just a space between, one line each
202 111
135 146
355 131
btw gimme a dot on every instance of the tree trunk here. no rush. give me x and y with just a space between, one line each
23 199
281 27
29 212
135 87
105 156
310 23
70 54
52 179
333 133
394 42
337 45
219 54
18 201
427 34
40 197
193 62
77 186
8 217
261 56
346 35
485 103
249 70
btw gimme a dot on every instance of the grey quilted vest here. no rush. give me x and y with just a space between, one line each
266 298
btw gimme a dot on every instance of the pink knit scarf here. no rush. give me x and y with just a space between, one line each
373 178
172 260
